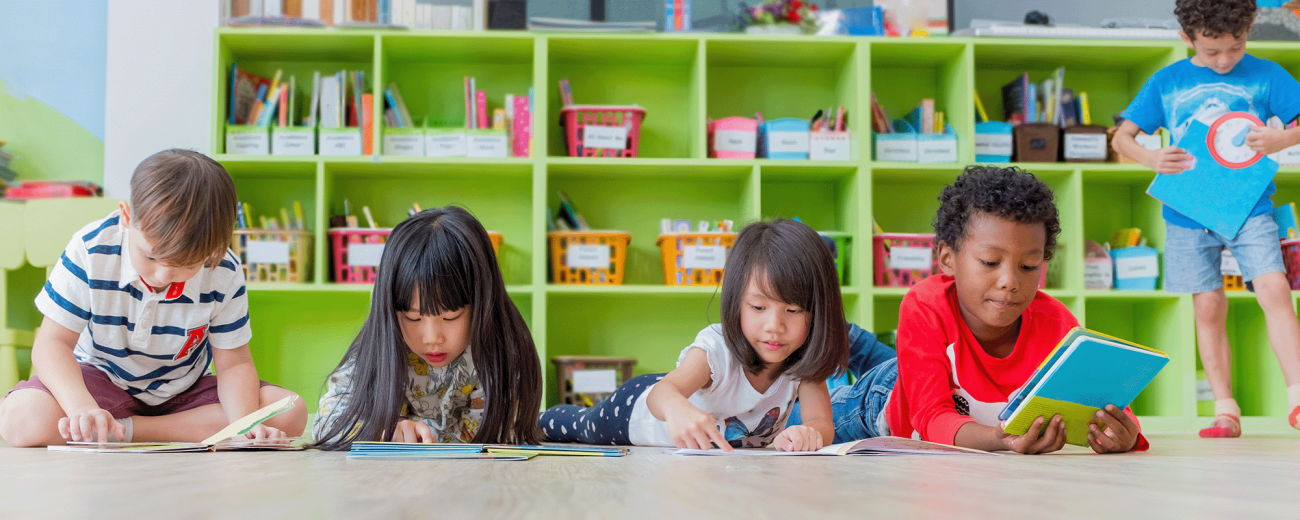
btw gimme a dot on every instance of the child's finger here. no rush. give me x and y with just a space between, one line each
63 428
718 438
1096 447
423 432
1106 441
1050 434
1117 421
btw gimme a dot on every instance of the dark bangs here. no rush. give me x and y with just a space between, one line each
788 262
438 267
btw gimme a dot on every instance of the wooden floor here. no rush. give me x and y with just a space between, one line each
1180 477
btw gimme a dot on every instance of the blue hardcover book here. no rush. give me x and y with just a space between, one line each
1285 217
1224 184
1087 371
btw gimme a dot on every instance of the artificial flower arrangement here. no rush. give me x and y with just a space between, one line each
780 16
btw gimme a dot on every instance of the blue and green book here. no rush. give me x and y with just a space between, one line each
1087 371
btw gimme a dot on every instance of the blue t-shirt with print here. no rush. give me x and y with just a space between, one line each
1182 92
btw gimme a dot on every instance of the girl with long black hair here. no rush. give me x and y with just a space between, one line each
444 355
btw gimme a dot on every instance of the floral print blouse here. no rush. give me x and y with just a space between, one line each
447 399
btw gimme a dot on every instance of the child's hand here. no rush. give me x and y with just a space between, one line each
90 425
798 438
413 431
1052 439
1265 140
263 431
1171 160
691 428
1120 435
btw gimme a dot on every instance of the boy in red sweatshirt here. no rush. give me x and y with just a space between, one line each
970 337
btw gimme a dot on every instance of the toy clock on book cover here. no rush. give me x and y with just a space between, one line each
1226 140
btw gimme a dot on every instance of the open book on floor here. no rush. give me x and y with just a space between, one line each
220 441
1087 371
872 446
420 451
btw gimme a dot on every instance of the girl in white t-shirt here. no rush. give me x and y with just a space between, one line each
782 334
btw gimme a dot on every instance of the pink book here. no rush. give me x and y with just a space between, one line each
522 127
482 110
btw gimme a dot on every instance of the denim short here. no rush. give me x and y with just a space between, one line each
1193 256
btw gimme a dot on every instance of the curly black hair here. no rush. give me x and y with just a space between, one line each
1215 18
1010 193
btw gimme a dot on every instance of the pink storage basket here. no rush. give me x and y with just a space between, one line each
575 120
353 264
907 275
739 138
1291 258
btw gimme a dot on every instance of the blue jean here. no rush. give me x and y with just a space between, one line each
1192 256
854 408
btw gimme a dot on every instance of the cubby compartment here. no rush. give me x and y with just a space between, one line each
430 74
1110 72
636 197
903 73
500 196
905 199
299 56
824 198
660 75
784 79
1115 198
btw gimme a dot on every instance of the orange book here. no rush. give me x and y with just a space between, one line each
367 124
327 12
284 106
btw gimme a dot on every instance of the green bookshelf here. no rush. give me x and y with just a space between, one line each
301 331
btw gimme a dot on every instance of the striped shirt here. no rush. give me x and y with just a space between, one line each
154 345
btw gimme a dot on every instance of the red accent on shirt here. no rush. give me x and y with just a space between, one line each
195 337
175 290
928 322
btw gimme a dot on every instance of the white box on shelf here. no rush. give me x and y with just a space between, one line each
344 141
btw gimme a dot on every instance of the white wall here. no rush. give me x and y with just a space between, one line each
158 91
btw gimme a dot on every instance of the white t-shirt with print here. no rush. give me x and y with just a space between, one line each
748 418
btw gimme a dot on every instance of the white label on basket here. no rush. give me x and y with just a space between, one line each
1136 267
444 145
734 141
993 144
704 257
612 137
1085 146
590 257
1228 265
248 143
1097 274
293 143
365 254
345 143
259 252
594 381
488 146
910 258
829 146
787 142
404 145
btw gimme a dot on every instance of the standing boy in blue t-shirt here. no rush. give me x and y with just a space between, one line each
1218 79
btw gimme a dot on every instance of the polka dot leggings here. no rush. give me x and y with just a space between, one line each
604 423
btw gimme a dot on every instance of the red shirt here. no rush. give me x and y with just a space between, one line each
946 379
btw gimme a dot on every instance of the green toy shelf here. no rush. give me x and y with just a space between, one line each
681 80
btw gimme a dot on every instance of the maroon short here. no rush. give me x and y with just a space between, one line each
116 401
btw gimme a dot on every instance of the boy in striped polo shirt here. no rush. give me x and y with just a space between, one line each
137 308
